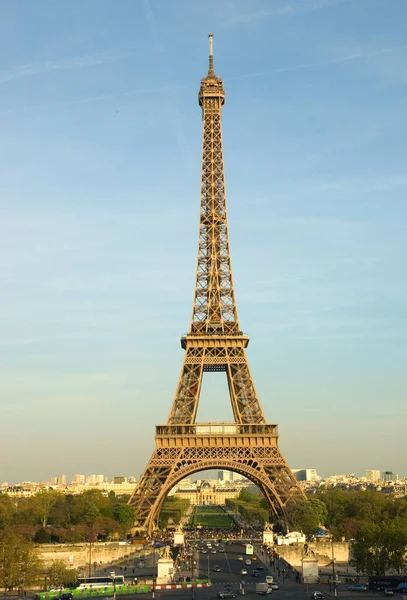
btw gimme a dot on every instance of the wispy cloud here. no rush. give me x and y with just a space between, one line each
286 10
362 185
321 63
100 98
64 64
44 339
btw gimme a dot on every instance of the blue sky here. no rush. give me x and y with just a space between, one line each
99 199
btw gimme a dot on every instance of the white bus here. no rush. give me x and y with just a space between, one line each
99 582
249 549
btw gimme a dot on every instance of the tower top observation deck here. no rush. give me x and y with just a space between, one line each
211 85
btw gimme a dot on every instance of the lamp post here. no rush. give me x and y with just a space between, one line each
90 559
333 570
192 573
113 576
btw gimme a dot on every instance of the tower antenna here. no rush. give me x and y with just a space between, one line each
211 70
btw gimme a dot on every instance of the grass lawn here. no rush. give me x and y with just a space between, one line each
210 516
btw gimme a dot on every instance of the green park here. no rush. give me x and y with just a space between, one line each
211 517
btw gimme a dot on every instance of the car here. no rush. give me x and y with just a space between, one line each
65 596
204 551
227 594
248 561
217 569
317 596
240 558
260 567
388 592
274 585
269 579
263 588
255 574
243 572
358 587
213 551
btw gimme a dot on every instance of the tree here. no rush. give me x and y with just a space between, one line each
125 514
378 548
247 496
20 564
59 575
7 510
42 503
304 516
320 509
42 536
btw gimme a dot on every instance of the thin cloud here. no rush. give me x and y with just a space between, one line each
288 10
322 63
44 339
75 62
89 99
359 185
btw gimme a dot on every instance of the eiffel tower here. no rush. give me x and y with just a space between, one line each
248 446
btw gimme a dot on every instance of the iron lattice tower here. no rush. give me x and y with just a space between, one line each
214 342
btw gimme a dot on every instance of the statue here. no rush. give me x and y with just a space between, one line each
166 552
268 526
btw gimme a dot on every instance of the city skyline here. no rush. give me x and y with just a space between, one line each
101 152
100 478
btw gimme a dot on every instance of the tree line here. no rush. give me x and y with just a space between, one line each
375 524
50 516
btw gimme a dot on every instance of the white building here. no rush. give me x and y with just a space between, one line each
78 479
373 475
292 537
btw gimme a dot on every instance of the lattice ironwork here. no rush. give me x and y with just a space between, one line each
214 343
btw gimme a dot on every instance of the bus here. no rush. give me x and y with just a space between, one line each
99 582
249 549
381 583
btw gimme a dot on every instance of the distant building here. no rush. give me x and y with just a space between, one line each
61 479
93 479
306 474
78 479
118 488
225 475
119 479
207 492
389 476
373 475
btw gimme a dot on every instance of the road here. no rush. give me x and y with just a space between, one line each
231 566
230 573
